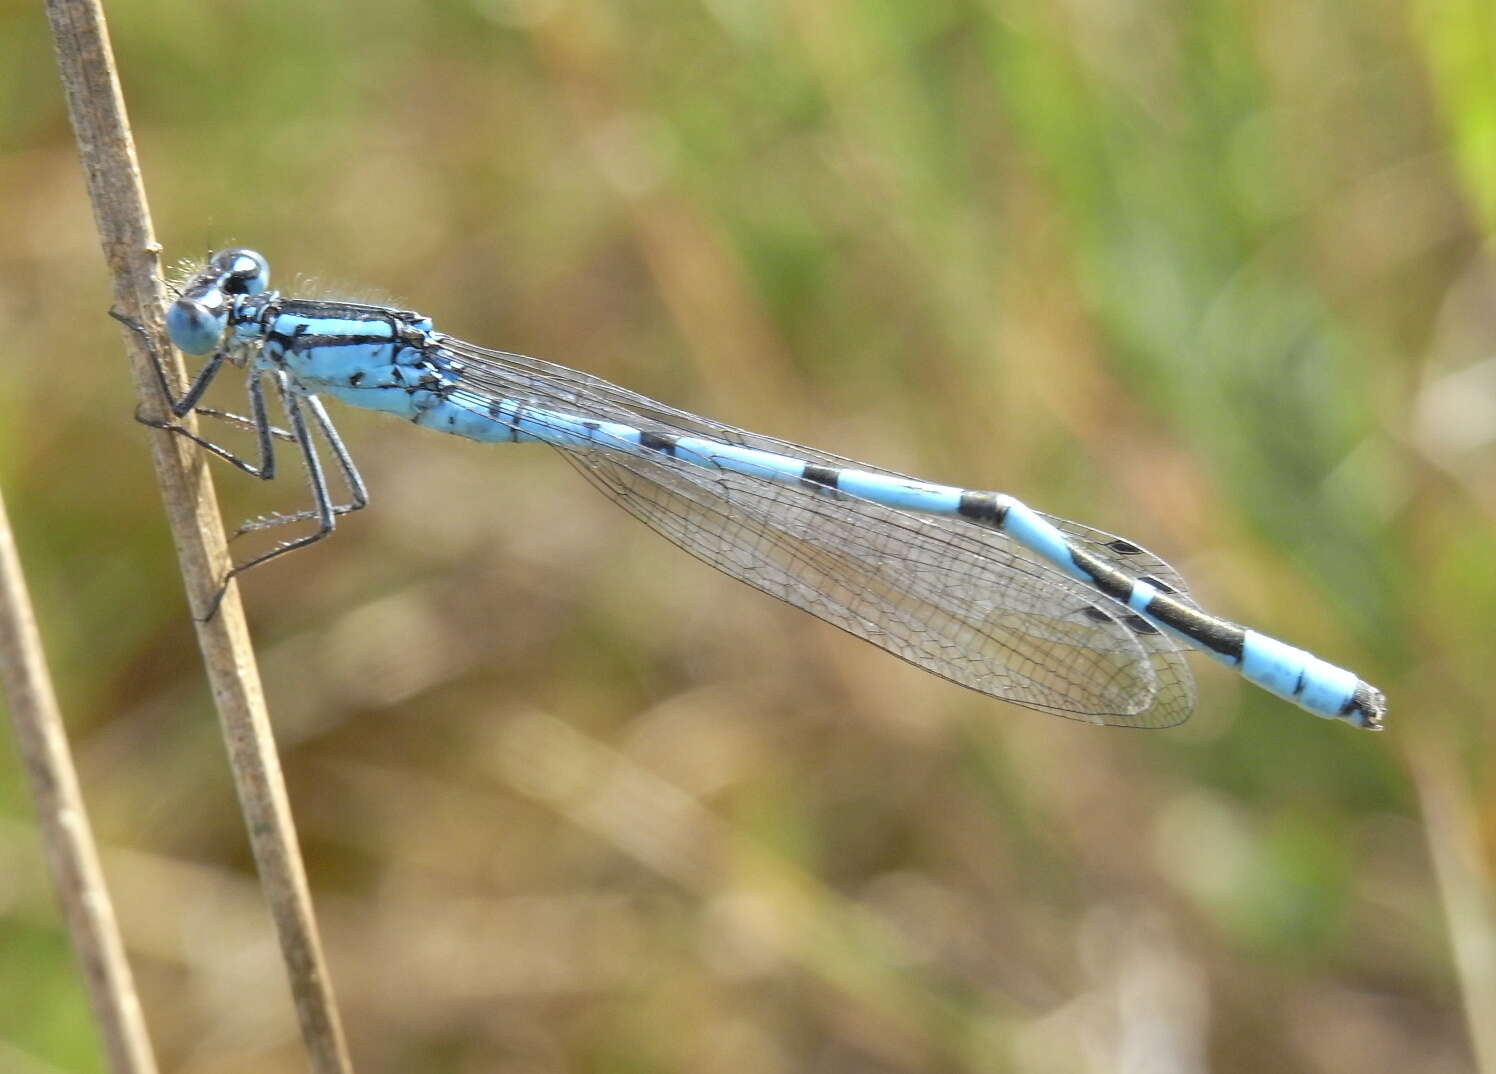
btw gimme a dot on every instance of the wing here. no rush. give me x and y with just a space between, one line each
1129 558
958 600
517 375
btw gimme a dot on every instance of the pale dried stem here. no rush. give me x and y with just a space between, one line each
97 111
66 837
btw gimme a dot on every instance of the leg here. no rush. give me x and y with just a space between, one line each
228 417
323 510
259 422
358 493
265 469
205 375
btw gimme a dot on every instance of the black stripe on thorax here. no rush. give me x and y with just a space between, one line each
303 340
303 337
316 309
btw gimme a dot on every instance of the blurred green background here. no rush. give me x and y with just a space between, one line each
1215 276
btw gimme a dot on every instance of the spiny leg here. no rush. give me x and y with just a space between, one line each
323 511
259 421
358 492
228 417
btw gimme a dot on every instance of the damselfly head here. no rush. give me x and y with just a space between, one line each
198 319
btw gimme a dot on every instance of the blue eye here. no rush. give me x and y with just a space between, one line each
196 322
240 271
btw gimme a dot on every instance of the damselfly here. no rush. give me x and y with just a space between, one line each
973 586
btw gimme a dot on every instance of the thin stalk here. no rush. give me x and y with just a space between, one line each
97 111
67 839
1463 873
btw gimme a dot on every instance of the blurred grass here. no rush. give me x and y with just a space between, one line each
1212 276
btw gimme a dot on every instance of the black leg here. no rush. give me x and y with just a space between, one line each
260 422
323 510
228 417
358 493
205 375
180 407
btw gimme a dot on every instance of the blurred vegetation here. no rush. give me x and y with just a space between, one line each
1214 276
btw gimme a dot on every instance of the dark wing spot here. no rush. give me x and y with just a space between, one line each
1158 584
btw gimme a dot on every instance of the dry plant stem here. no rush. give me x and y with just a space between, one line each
97 111
1454 836
67 839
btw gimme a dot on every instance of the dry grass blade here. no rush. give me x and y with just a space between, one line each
67 838
1464 879
97 112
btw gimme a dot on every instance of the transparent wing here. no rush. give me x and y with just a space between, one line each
517 375
958 600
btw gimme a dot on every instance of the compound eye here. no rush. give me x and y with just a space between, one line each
240 271
196 322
